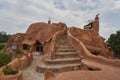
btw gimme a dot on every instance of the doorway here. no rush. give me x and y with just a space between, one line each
39 47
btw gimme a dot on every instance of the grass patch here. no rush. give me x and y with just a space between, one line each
18 51
2 45
4 59
10 71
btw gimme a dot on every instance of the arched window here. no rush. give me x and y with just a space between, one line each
26 47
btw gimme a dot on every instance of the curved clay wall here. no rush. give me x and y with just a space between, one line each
40 32
85 54
93 40
18 63
56 36
49 49
93 67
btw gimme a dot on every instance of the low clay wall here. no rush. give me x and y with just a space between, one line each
12 77
18 63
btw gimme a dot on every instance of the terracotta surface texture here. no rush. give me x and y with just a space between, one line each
43 33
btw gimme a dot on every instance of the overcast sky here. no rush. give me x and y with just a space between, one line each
17 15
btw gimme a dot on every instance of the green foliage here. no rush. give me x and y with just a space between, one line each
2 46
4 59
18 51
10 71
114 42
4 37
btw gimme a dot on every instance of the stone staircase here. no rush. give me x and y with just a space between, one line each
66 58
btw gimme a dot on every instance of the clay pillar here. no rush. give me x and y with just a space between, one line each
97 23
49 21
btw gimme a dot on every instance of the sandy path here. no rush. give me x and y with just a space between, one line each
29 73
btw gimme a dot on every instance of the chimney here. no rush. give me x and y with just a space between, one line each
49 21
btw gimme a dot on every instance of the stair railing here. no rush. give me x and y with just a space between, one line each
85 54
55 37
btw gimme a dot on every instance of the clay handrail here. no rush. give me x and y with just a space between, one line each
84 53
55 37
81 45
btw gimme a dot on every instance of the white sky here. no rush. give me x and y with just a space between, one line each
17 15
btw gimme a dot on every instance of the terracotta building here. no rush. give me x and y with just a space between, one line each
42 37
63 49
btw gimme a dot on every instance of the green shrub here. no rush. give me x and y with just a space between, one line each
2 46
18 51
4 59
114 43
10 71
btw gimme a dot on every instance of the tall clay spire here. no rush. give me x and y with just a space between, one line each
49 21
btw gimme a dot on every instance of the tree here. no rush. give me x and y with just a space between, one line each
4 37
114 41
2 45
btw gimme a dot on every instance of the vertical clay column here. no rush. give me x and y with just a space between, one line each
95 24
49 21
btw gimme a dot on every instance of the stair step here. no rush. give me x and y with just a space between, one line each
63 42
65 50
63 60
66 58
36 53
57 68
66 55
64 47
